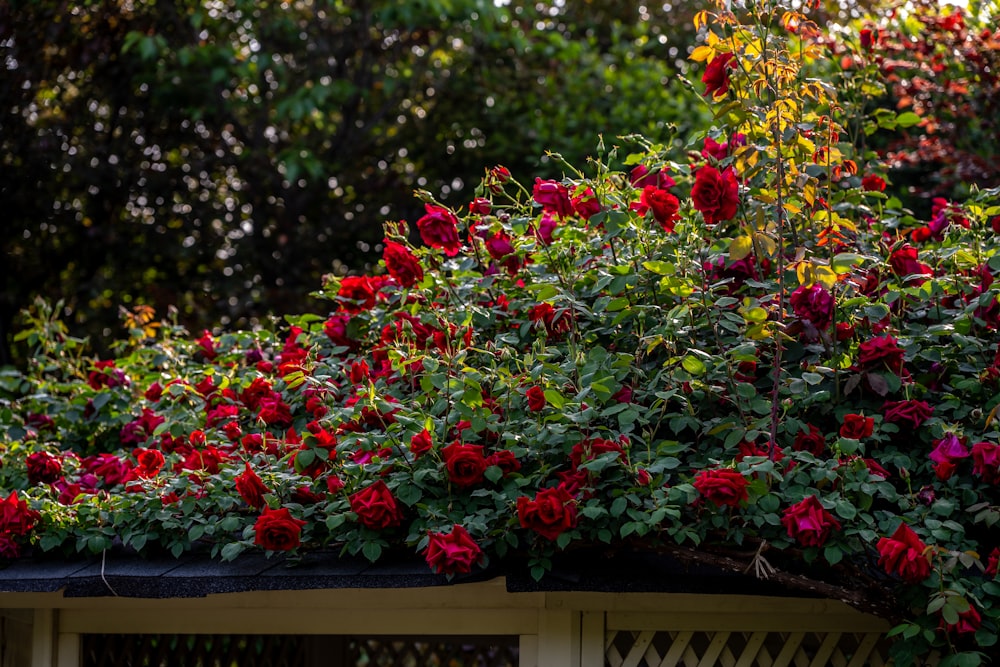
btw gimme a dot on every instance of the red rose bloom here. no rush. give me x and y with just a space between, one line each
856 427
903 554
881 352
586 204
376 507
480 206
250 487
421 443
277 530
722 486
969 622
590 449
335 329
550 514
466 464
553 197
439 229
910 413
903 262
815 304
873 183
402 264
505 460
356 294
808 523
993 563
986 462
15 517
536 398
664 205
148 462
716 194
716 76
452 553
43 468
812 441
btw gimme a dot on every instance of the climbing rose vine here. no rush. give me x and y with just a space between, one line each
734 348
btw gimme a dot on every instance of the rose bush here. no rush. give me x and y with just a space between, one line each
735 352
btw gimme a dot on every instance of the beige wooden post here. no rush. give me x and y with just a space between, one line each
68 650
43 635
558 638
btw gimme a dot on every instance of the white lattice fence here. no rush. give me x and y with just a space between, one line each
657 648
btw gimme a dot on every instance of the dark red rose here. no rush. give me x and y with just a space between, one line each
642 477
812 441
557 323
277 530
376 507
250 487
856 427
496 178
536 398
402 264
591 448
813 303
207 345
335 329
550 514
868 38
546 226
905 555
357 294
969 621
421 443
716 194
439 229
993 563
553 197
505 460
452 553
586 204
148 462
640 177
903 262
881 353
716 76
722 486
873 183
986 462
911 412
154 392
480 206
43 468
15 517
808 523
663 204
466 463
105 374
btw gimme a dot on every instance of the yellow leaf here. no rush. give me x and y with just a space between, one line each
740 248
702 53
809 193
824 275
766 244
803 271
992 416
701 19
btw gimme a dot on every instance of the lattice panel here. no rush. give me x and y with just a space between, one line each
453 652
150 650
745 649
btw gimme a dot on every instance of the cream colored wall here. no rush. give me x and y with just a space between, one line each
556 629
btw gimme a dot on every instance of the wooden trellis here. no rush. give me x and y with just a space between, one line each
650 648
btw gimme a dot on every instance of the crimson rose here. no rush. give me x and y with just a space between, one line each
722 486
716 194
277 530
986 462
376 507
811 441
402 264
716 76
809 523
856 427
250 487
815 304
881 352
903 554
553 196
466 463
910 412
439 229
452 553
552 512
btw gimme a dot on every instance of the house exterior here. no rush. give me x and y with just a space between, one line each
331 612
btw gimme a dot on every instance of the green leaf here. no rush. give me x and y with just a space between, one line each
907 119
693 365
232 550
372 551
660 268
555 399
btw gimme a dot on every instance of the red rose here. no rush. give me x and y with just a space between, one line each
550 514
881 352
716 76
402 264
154 392
43 468
505 460
585 204
250 487
856 427
869 38
911 412
452 553
986 462
811 441
356 294
553 196
335 329
722 486
640 177
716 194
903 262
903 554
815 304
439 229
993 563
421 443
873 183
15 517
480 206
557 323
496 177
664 205
466 463
149 462
536 398
808 523
969 622
277 530
376 507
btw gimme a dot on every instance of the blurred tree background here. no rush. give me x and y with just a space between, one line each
220 156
